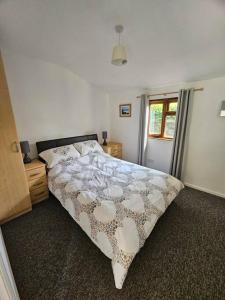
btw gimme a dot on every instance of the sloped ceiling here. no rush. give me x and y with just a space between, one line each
168 41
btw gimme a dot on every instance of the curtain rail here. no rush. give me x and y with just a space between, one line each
169 93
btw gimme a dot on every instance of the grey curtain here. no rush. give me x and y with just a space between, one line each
143 131
180 132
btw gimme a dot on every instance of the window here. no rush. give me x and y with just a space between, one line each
162 118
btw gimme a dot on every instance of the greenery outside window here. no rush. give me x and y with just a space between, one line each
162 118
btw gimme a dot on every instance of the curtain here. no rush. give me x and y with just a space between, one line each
180 132
143 129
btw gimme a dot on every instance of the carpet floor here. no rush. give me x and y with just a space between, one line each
184 257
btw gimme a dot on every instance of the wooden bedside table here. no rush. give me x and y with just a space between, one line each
114 149
37 180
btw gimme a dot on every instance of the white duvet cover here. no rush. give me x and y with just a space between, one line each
116 203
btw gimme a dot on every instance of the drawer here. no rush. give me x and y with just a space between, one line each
118 156
37 183
116 146
116 152
39 194
35 173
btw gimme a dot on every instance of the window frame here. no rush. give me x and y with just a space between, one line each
166 103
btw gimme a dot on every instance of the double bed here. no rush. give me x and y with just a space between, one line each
116 203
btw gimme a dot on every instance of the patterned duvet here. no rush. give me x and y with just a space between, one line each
116 203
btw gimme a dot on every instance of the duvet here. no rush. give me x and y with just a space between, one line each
116 203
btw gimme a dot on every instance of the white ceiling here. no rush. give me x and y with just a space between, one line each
168 41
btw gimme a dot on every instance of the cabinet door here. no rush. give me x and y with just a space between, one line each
14 190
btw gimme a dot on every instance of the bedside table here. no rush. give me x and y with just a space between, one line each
114 149
37 180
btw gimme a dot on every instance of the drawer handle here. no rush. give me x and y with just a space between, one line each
37 184
35 174
41 193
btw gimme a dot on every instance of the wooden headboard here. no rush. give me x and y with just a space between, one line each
45 145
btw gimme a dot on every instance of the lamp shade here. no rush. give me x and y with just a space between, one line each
25 148
104 134
222 112
119 56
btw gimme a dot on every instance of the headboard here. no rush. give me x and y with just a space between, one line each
45 145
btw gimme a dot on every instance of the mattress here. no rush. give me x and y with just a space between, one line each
116 203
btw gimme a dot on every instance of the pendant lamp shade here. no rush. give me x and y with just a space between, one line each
119 56
222 112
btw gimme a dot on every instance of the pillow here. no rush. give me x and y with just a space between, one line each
88 146
55 155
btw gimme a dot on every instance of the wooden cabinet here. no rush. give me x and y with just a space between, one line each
37 180
114 149
14 190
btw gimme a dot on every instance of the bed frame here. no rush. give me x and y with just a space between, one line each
45 145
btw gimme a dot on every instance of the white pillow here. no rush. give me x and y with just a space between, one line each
55 155
88 146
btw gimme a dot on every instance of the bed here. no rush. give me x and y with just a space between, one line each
116 203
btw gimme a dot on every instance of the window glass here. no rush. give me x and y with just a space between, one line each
156 113
169 126
173 106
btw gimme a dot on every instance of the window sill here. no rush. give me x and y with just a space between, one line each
161 138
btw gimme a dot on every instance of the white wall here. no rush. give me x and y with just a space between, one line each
204 162
52 102
159 154
125 129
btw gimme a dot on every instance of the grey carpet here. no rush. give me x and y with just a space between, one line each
184 257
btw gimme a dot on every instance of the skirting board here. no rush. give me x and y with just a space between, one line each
204 189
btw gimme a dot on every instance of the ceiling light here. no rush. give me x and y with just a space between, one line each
119 55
